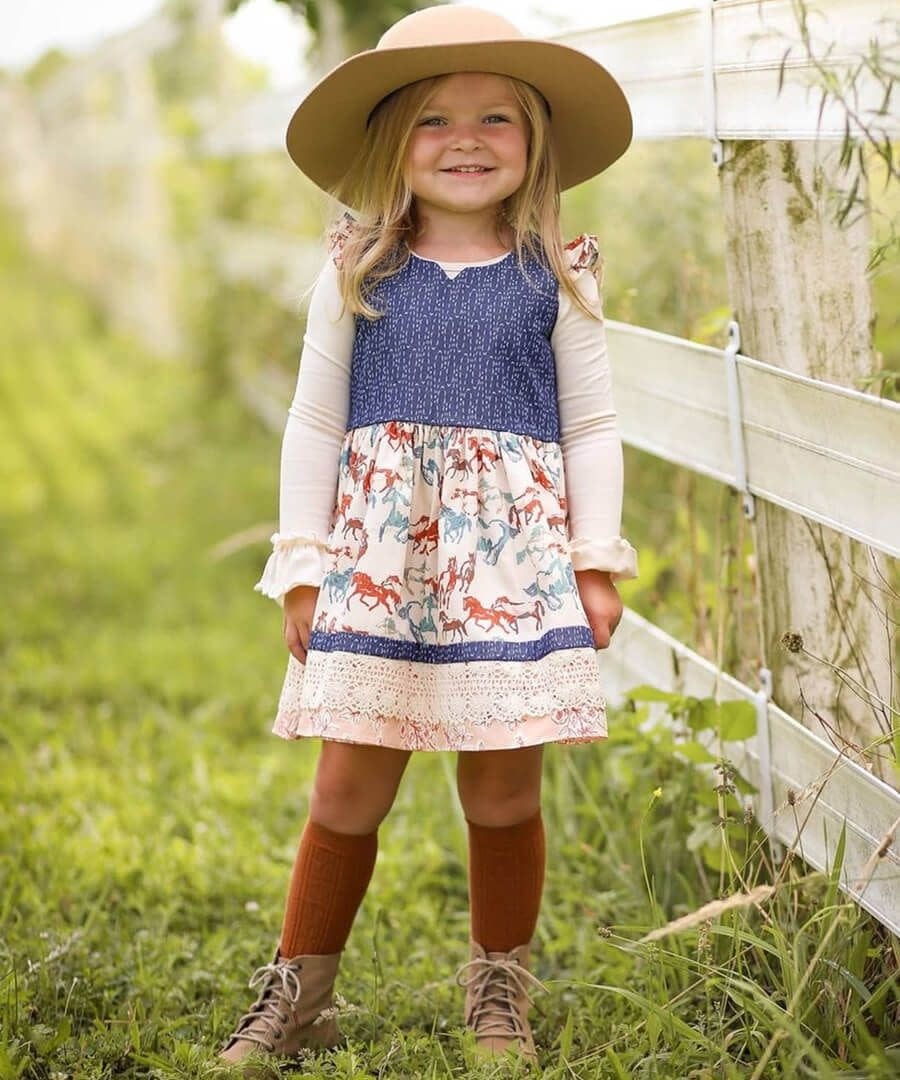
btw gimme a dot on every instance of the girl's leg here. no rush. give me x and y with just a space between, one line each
353 791
500 792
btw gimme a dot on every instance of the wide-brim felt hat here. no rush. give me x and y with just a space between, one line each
590 121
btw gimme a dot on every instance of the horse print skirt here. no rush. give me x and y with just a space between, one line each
449 617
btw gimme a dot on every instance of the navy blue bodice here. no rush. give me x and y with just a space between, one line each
472 351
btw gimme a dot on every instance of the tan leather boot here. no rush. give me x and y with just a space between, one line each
497 988
293 1010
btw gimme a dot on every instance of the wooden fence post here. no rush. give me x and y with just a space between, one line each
800 291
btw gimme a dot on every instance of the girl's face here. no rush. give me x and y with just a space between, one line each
469 148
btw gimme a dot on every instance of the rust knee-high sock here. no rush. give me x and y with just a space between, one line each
330 877
506 879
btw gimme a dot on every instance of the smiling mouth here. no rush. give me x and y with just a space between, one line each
474 169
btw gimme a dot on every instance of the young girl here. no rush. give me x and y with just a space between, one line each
451 487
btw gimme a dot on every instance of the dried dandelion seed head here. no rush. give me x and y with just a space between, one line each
792 642
708 912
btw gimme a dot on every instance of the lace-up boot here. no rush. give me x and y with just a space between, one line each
294 1010
498 986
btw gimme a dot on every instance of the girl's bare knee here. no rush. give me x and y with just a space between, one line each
500 788
353 790
500 807
345 804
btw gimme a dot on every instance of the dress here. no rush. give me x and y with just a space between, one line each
448 616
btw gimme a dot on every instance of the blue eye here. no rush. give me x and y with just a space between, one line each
495 118
431 121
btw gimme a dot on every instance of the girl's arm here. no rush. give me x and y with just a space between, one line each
590 442
310 452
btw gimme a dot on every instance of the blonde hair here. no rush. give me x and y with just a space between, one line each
385 228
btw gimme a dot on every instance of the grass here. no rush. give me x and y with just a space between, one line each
149 820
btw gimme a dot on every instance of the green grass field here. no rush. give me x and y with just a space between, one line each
149 820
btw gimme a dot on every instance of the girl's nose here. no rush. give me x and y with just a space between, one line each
466 137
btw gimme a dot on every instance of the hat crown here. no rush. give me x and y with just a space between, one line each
447 24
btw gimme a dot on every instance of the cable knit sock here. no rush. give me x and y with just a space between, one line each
330 877
506 879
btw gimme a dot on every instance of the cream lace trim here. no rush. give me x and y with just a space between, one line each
480 704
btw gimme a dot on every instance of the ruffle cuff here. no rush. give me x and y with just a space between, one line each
295 560
615 555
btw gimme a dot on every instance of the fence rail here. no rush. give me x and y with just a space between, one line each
822 450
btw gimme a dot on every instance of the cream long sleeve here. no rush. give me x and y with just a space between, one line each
317 418
589 437
310 450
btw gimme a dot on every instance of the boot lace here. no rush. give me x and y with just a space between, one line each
265 1021
495 986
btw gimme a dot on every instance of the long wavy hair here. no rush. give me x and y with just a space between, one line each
386 226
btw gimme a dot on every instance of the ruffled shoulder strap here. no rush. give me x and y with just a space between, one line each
583 253
338 235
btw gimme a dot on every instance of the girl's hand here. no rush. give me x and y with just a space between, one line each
299 606
601 602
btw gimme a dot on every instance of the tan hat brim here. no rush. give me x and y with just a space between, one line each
590 122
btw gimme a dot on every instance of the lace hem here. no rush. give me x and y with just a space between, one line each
615 555
475 705
295 560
